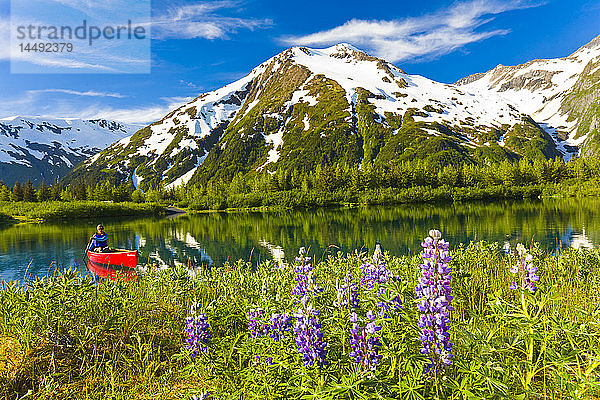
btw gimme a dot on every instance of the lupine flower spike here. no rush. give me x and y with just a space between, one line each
374 271
309 338
365 345
347 295
388 301
305 281
257 325
433 290
526 268
197 329
280 324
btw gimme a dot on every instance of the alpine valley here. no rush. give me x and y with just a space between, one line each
307 107
41 149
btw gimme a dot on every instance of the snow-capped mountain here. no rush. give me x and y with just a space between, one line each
561 94
44 149
306 107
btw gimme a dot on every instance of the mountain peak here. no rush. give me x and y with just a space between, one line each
341 48
595 42
306 107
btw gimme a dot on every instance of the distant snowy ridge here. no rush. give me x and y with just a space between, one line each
542 89
45 149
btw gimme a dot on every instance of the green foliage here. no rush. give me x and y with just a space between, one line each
419 180
17 192
6 219
29 193
397 183
44 193
68 337
57 210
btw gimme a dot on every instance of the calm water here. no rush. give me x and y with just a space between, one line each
217 237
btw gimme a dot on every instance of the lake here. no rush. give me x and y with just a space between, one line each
214 238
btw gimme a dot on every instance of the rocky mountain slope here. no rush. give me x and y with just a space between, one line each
47 149
562 95
306 107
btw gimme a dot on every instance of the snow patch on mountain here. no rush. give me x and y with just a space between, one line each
538 88
397 91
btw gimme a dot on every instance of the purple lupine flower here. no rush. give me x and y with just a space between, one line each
387 304
256 363
527 269
374 271
197 329
305 281
347 295
309 338
203 396
365 345
433 291
257 325
280 323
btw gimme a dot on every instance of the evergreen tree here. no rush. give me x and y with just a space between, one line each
44 193
17 192
137 196
29 192
121 193
55 192
79 191
4 192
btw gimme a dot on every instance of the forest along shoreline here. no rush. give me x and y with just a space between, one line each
327 186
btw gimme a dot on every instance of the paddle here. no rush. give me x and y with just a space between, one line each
86 249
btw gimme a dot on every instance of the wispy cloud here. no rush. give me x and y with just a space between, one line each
89 93
203 20
430 35
38 102
136 115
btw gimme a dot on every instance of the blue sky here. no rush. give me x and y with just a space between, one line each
198 46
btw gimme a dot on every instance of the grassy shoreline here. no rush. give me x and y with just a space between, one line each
57 210
13 212
66 337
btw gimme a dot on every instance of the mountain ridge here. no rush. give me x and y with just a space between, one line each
304 107
559 93
46 149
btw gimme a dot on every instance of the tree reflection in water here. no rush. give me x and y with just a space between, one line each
214 238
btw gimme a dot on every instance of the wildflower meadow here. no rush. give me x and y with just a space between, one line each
449 322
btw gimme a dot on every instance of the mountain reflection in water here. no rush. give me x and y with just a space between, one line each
200 240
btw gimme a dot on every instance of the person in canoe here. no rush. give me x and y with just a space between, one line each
99 241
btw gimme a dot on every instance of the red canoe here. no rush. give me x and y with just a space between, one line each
113 272
118 257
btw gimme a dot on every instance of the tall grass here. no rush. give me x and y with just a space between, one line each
57 210
69 337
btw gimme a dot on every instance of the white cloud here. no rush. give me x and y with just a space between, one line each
202 21
135 115
89 93
430 35
37 102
